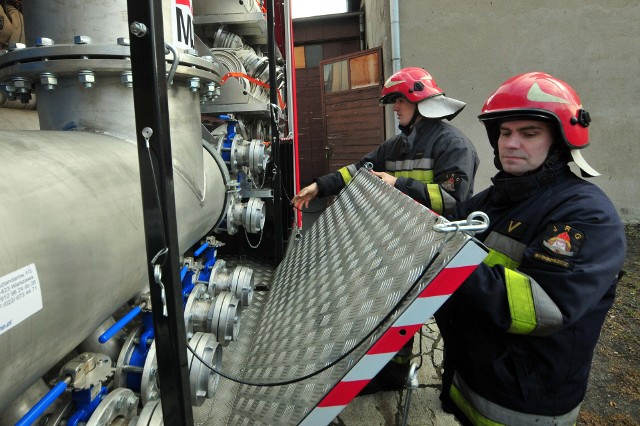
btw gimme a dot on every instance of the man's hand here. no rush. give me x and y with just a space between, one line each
386 177
305 195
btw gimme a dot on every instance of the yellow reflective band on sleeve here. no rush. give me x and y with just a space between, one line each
346 176
496 258
476 418
424 176
435 197
521 307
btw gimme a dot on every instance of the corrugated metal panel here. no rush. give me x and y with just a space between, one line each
340 288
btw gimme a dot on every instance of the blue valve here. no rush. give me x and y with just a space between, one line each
44 403
202 248
85 405
183 272
122 322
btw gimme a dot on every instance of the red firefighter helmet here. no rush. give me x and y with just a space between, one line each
537 95
418 86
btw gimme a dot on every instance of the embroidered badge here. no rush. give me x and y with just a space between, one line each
451 182
552 260
563 240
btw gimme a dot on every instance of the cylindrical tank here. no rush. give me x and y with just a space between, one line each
71 206
103 21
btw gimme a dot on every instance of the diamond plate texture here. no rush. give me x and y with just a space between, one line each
353 273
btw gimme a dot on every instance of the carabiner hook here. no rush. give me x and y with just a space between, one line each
475 222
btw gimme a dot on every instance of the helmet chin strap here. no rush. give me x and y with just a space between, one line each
416 114
587 170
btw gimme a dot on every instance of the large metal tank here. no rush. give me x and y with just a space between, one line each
70 204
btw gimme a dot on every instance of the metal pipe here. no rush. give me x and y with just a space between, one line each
24 403
396 58
394 15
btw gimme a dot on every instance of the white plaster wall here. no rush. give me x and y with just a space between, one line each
471 47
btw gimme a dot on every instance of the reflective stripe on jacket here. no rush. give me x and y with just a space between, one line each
483 412
435 164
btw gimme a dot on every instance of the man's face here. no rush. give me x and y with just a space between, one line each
523 145
404 109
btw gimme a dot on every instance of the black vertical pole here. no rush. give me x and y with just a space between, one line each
158 201
275 143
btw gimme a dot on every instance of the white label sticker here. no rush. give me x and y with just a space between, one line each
182 20
20 297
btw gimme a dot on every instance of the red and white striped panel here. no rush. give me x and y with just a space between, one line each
421 309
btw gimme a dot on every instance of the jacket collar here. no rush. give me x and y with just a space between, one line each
509 189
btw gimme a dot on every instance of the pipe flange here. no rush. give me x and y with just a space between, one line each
149 388
203 380
232 228
197 317
225 319
242 285
218 278
119 404
198 294
120 376
254 216
62 59
151 415
257 157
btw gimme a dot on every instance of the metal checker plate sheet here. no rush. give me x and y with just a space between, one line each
353 272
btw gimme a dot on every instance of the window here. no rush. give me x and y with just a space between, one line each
298 53
308 56
364 70
313 55
336 77
352 73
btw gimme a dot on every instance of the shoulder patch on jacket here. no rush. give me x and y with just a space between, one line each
451 182
562 240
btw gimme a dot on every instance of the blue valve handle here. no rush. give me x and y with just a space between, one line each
43 404
183 272
224 117
115 328
202 248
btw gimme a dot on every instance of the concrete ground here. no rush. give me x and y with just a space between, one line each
386 408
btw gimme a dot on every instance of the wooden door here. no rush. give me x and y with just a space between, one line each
353 118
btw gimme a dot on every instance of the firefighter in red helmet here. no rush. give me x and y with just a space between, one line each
521 330
431 161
